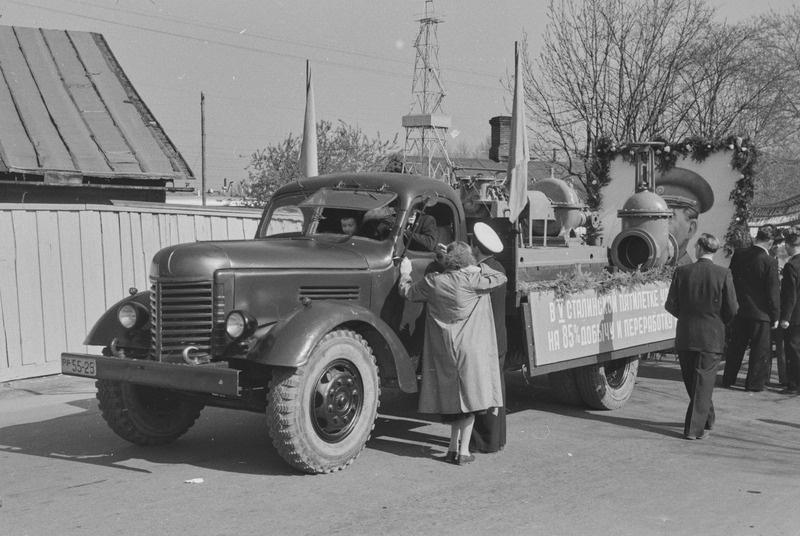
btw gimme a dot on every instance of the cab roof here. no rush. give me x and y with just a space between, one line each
406 186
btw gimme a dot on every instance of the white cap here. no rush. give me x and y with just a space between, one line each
487 237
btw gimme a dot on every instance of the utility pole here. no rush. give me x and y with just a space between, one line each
203 148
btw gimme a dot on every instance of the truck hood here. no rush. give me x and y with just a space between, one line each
202 259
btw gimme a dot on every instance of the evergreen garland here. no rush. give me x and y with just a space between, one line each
602 283
743 160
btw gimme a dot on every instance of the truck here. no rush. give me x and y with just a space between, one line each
304 322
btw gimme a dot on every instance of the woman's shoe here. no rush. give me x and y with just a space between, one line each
451 456
464 460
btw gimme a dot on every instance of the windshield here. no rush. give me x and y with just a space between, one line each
332 213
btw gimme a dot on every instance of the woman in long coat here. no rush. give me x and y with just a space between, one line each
460 376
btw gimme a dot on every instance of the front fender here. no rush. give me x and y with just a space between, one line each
108 328
290 342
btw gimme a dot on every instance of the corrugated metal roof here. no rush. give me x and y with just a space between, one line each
67 106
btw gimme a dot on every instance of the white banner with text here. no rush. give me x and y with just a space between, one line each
585 324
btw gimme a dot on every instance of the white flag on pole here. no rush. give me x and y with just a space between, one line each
308 150
518 153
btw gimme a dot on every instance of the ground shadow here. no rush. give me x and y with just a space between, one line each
539 396
221 440
780 423
397 428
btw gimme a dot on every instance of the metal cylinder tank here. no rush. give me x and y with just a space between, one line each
569 211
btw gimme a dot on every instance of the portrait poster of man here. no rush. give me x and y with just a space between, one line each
697 192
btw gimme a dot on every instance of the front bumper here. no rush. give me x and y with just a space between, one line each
214 378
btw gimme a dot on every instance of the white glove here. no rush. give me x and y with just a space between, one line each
405 266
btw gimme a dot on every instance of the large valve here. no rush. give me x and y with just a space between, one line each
645 241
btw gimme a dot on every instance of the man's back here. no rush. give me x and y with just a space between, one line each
755 276
703 299
790 287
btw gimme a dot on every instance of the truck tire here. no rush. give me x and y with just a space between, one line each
321 414
565 388
146 415
607 385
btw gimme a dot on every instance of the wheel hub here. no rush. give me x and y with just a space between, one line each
615 373
337 402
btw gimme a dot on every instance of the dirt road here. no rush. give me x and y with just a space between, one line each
565 470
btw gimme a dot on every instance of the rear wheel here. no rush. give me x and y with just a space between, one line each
321 415
146 415
607 385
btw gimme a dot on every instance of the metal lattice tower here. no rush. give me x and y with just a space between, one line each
426 125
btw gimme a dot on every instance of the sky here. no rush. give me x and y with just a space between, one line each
248 58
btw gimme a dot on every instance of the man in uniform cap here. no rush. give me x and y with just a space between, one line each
688 195
489 431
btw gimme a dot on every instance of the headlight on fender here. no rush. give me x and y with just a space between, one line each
239 325
132 315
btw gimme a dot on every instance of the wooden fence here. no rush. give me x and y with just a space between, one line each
62 266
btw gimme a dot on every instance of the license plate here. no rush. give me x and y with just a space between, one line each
80 366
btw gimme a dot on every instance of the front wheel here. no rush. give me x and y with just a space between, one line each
607 385
321 414
146 415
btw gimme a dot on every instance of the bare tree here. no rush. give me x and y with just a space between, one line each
610 68
781 50
774 120
633 70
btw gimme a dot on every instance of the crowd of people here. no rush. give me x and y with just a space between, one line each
725 311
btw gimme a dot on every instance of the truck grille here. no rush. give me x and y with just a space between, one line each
330 293
183 315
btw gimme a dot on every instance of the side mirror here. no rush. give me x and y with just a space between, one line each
429 198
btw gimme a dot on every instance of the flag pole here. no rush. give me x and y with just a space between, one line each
518 154
308 150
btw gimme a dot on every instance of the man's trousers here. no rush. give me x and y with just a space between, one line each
699 371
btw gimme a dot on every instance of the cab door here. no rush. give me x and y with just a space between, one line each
437 224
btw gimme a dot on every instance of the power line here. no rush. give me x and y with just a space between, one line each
255 35
242 47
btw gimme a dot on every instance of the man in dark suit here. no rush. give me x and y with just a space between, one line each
790 311
755 275
703 299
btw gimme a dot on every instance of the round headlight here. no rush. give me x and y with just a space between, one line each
235 324
127 315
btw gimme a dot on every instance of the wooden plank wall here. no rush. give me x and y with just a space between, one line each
62 266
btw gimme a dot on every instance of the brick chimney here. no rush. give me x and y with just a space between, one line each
501 137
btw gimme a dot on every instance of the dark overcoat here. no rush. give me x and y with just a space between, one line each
790 287
755 276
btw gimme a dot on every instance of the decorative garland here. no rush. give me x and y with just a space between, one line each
743 160
601 283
